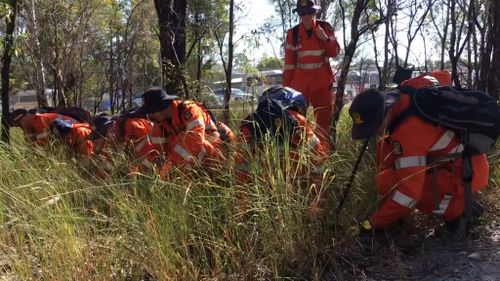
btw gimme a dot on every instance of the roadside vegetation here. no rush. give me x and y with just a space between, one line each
60 222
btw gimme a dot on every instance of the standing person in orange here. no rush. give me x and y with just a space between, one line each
36 125
309 45
193 138
407 176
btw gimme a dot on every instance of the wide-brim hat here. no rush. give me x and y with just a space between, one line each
306 7
154 100
368 111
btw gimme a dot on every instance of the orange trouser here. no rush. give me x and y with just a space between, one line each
321 100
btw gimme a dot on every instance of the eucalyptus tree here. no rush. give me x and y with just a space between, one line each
172 36
362 15
10 10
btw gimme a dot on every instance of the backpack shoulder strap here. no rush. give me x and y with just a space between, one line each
295 35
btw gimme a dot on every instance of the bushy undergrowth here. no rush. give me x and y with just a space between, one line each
60 222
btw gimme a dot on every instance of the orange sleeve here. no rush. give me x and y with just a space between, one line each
136 129
332 46
189 143
290 59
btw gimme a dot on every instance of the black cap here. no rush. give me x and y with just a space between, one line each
101 125
306 7
368 110
154 100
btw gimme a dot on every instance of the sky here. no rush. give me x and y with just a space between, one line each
257 12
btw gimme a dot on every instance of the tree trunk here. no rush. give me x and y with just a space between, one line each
495 73
39 84
6 61
229 65
172 35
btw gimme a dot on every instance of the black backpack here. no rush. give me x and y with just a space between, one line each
272 118
472 115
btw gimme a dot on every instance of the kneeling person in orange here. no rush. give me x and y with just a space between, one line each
409 173
280 116
192 135
75 137
36 125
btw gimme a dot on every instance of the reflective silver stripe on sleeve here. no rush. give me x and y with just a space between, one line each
457 149
404 200
313 142
210 126
201 154
314 53
290 47
41 136
243 167
194 124
410 161
310 65
332 38
183 153
443 206
147 163
317 170
444 141
212 137
158 140
289 66
141 144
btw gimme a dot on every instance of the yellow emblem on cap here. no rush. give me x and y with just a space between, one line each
303 3
278 122
357 119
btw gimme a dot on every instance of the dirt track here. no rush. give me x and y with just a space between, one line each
427 257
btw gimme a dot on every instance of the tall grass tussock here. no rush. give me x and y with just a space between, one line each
61 222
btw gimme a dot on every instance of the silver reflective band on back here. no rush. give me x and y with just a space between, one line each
311 53
443 206
289 66
310 65
410 161
194 124
404 200
444 141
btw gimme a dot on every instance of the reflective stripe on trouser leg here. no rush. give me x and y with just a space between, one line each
404 200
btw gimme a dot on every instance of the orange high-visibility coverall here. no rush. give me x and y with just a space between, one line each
307 70
138 136
78 140
192 137
303 137
406 175
39 124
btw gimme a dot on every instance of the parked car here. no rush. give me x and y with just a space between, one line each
210 100
236 94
